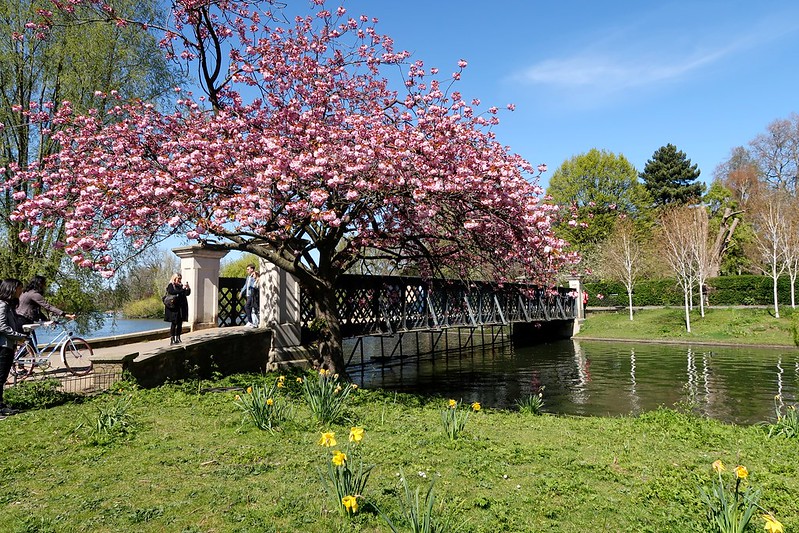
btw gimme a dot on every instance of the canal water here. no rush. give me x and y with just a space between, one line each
109 327
593 378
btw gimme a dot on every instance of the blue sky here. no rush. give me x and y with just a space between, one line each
623 76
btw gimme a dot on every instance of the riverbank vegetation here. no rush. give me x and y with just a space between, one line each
752 326
186 459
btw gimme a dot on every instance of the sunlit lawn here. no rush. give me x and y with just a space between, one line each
190 465
729 325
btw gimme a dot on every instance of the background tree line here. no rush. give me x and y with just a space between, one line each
663 223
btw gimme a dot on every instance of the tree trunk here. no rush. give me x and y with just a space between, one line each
722 242
774 277
328 327
630 301
687 311
702 299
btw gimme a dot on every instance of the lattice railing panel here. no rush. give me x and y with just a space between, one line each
231 307
371 305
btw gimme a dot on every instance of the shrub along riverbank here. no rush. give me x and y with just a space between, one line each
752 326
179 459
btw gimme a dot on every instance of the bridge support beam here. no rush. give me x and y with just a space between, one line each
199 265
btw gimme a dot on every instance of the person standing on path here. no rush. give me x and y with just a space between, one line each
248 292
179 312
10 333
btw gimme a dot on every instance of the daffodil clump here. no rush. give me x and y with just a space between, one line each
729 508
346 477
265 406
455 417
326 395
786 425
532 404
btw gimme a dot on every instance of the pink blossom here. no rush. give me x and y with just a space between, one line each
329 159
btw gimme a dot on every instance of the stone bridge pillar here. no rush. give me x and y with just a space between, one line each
576 284
280 312
199 265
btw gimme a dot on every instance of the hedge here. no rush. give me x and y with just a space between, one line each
724 290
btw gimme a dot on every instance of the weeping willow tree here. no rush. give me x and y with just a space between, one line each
78 63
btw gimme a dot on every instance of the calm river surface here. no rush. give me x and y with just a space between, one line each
604 378
111 326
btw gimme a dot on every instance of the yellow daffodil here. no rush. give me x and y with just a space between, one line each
270 401
772 524
339 458
741 472
350 504
452 404
238 398
337 390
322 372
476 406
356 434
335 376
299 380
280 385
249 390
718 466
354 386
327 439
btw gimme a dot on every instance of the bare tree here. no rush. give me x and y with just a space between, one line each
622 257
792 247
678 251
777 154
740 174
771 221
703 259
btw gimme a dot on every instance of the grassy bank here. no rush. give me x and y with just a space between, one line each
728 325
189 465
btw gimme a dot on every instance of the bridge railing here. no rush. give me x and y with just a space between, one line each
372 305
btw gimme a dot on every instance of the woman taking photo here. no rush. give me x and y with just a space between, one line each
10 332
178 311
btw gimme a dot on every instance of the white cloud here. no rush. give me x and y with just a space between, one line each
614 62
610 74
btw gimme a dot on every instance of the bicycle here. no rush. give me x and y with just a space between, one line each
74 353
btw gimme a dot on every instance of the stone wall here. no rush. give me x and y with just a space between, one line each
226 351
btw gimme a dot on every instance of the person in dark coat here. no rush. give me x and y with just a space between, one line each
180 312
10 332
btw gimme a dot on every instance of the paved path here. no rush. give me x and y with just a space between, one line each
143 349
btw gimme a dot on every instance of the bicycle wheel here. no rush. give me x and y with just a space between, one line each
75 353
22 366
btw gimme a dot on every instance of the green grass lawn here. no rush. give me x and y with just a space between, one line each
728 325
191 466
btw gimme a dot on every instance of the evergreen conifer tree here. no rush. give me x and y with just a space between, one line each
670 178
